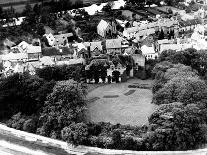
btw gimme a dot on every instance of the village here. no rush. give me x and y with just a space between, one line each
143 35
103 77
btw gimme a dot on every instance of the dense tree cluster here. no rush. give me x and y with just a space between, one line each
64 72
23 93
180 122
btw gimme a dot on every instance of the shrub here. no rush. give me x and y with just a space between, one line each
30 125
75 133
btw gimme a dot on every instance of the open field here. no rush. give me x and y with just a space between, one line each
116 103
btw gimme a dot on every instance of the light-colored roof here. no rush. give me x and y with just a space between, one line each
96 45
163 41
103 25
34 49
113 43
46 60
71 62
147 50
79 46
14 56
9 43
86 44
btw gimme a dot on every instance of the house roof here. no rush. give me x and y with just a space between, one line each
97 45
147 50
86 44
189 22
103 25
52 51
113 43
34 49
48 30
9 43
14 56
61 38
97 62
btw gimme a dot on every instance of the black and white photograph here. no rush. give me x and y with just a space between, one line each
103 77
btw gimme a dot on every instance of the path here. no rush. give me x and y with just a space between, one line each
116 103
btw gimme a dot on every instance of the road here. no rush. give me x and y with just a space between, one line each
12 145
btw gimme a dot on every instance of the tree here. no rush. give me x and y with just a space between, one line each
178 127
22 93
28 9
40 29
161 35
107 8
1 12
75 133
187 90
62 107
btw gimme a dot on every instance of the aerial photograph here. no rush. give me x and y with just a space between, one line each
103 77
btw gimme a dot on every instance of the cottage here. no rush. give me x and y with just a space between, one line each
113 46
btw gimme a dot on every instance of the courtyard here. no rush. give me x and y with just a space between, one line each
117 103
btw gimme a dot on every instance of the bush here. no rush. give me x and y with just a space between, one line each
30 125
75 133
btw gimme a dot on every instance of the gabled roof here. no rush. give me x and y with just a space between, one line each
103 25
113 43
48 30
8 43
95 45
52 51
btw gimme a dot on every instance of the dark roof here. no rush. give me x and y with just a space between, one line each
189 22
153 11
52 51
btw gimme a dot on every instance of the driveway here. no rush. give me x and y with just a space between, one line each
116 103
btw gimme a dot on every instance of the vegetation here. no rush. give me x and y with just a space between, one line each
64 72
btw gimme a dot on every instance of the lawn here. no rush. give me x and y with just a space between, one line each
116 103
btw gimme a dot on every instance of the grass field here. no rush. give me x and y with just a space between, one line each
130 106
